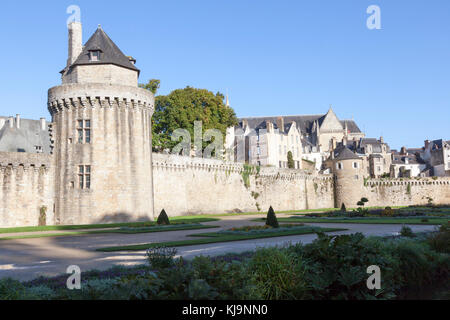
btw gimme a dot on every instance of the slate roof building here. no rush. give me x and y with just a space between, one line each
24 135
437 154
319 134
406 164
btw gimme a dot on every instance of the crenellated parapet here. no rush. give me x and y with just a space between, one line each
97 95
176 163
26 161
437 181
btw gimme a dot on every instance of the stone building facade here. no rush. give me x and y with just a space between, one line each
437 155
314 138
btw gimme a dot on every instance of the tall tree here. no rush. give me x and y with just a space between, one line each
290 159
152 85
182 107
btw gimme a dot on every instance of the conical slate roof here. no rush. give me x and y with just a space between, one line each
110 53
344 153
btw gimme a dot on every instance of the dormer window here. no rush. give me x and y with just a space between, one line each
94 55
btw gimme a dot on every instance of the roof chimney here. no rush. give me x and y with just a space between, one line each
18 121
427 143
75 42
333 143
381 139
403 151
280 124
2 122
43 124
269 126
11 122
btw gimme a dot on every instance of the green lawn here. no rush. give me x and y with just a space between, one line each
418 221
109 231
218 237
174 220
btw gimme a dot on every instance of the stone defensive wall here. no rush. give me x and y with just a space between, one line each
26 185
190 186
410 191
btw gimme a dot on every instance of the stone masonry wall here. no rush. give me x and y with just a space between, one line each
26 185
402 192
187 186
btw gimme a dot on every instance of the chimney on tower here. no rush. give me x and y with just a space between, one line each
18 121
43 124
75 42
280 124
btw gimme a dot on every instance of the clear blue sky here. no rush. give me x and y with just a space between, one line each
273 57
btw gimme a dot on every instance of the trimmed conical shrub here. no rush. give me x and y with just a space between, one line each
272 219
343 208
163 218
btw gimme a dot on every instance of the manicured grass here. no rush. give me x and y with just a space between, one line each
174 220
302 212
418 221
218 237
123 231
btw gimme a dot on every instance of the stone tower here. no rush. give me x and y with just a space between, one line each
102 133
349 177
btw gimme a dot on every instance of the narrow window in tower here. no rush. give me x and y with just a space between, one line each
84 177
81 176
84 131
88 177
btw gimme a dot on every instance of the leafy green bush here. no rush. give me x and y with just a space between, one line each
271 219
414 267
406 232
277 274
11 289
163 218
387 212
338 264
161 257
440 241
290 160
38 293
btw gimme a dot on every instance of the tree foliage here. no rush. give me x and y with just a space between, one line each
163 218
152 85
272 219
290 160
182 107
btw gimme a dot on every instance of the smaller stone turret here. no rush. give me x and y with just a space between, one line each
348 171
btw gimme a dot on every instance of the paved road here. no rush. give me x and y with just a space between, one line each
26 259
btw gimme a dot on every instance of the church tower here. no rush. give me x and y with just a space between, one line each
102 135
